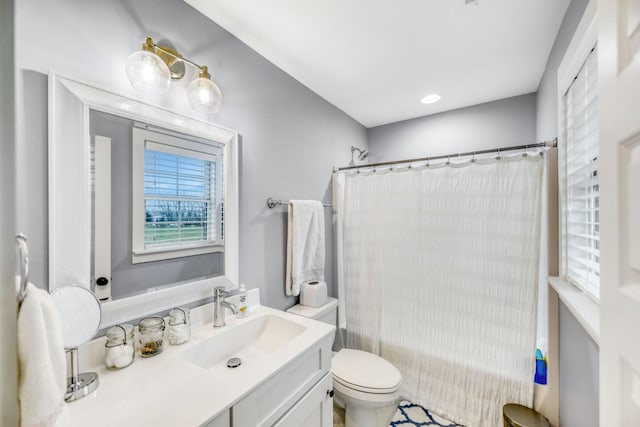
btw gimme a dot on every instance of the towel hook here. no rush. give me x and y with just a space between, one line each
21 241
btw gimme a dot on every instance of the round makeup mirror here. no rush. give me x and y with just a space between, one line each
79 313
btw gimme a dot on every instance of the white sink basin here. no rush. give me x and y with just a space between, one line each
250 340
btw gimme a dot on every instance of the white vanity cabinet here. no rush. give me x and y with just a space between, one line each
300 394
284 379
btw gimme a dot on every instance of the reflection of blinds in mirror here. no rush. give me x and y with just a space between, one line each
179 193
581 210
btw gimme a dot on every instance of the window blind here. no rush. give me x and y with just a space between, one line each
581 201
179 197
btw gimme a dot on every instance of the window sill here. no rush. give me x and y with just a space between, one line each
160 254
584 309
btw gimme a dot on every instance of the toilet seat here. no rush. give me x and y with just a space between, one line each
367 390
365 372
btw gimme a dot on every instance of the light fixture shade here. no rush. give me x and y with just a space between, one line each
148 73
204 95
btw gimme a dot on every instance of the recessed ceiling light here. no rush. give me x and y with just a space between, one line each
430 99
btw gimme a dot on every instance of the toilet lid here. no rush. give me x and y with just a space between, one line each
365 371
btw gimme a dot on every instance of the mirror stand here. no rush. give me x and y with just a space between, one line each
80 313
79 384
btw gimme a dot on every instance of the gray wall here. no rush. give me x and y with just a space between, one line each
290 137
126 278
578 354
501 123
579 374
8 353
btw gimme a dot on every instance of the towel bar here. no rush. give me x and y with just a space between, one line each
272 203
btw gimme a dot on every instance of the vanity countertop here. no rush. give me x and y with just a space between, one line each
170 390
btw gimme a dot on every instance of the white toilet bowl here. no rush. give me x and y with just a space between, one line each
365 385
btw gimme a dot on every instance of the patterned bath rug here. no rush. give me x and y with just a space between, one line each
410 414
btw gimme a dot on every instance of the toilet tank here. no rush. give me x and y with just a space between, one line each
327 313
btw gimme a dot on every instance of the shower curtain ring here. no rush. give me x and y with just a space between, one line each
473 157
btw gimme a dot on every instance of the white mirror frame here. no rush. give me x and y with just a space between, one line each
70 194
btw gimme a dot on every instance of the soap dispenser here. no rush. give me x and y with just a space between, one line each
242 306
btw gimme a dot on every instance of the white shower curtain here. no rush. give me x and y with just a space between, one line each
439 268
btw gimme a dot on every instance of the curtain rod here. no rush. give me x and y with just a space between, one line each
552 143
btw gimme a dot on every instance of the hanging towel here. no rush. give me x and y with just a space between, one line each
305 244
43 365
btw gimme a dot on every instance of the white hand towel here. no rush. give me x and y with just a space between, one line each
305 244
43 365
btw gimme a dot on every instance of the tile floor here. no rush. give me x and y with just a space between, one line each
407 415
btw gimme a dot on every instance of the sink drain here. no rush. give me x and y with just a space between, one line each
234 362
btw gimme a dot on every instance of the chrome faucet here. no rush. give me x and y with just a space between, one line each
219 305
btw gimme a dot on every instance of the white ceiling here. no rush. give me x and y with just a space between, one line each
375 59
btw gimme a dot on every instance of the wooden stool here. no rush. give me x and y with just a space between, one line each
521 416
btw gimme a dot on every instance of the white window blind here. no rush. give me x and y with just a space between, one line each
179 197
579 181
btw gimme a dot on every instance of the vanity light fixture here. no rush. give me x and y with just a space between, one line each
430 99
151 69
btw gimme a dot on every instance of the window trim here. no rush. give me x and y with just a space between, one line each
201 149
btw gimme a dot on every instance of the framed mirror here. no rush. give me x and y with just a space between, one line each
143 202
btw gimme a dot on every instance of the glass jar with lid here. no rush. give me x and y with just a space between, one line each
151 336
119 348
179 329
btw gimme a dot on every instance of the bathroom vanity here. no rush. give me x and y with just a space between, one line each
284 378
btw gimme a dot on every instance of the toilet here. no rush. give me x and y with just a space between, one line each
365 385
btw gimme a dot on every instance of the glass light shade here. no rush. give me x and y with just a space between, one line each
204 95
148 73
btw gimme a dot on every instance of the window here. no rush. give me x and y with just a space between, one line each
177 196
579 180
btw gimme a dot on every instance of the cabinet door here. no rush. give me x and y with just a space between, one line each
272 399
222 420
315 409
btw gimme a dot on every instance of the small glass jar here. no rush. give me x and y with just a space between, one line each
151 336
119 348
179 329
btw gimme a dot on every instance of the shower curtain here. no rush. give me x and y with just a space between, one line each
438 270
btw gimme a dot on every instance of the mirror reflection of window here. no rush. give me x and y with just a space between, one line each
179 200
177 183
